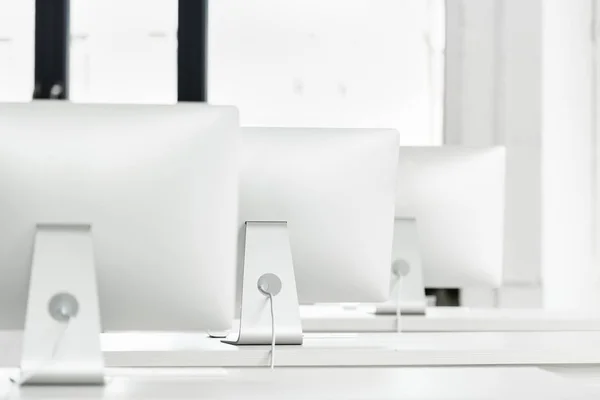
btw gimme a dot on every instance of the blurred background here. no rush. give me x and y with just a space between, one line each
523 74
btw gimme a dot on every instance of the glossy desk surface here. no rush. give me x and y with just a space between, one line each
328 318
469 366
337 350
517 383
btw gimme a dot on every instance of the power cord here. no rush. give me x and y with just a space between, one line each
270 286
55 349
399 305
400 269
271 301
63 308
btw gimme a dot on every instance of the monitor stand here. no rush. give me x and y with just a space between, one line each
61 343
407 272
268 265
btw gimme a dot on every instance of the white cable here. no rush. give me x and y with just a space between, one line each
398 305
272 330
44 364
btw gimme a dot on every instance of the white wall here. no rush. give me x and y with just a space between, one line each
335 63
493 97
518 124
521 73
569 277
596 131
470 70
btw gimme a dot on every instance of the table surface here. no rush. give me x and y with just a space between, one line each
334 350
453 366
517 383
329 318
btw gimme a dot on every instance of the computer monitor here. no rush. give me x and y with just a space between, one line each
315 222
450 212
114 217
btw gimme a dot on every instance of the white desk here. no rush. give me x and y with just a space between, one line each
450 319
421 349
409 349
320 384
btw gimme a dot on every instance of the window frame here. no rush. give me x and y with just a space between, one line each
52 41
192 33
51 49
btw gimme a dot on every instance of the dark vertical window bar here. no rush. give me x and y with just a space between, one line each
192 35
51 49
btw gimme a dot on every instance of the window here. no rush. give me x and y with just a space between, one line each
123 51
17 21
340 63
292 63
436 42
596 124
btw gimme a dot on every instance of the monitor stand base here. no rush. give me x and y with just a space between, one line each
218 334
407 272
268 260
61 343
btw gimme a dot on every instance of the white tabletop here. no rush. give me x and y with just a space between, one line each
331 350
319 383
446 319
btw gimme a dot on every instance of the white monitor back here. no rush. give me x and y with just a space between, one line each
457 196
157 184
335 188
